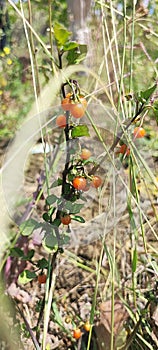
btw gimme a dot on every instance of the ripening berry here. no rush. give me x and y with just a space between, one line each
96 181
85 154
87 326
66 219
79 183
66 104
61 121
139 132
77 333
42 278
78 108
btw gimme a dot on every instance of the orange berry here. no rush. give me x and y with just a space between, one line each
42 278
61 121
87 326
66 104
79 183
96 181
78 108
77 333
85 154
69 94
66 219
139 132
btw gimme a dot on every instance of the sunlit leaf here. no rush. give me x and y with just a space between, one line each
61 34
80 130
26 276
70 46
77 218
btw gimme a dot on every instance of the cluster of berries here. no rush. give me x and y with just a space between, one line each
138 133
76 106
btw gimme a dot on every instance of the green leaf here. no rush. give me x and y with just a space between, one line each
77 55
46 217
73 208
16 252
28 226
77 218
51 199
64 239
89 160
56 222
50 242
67 188
26 276
57 182
70 46
134 261
155 108
30 255
84 199
57 315
61 34
42 263
79 131
147 93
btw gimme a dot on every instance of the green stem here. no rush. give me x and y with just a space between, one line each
33 49
93 308
121 89
51 37
113 266
132 48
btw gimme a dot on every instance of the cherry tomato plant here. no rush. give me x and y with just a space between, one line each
65 196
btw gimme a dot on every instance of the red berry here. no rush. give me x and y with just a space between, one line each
124 150
77 333
96 181
61 121
139 132
66 219
79 183
42 278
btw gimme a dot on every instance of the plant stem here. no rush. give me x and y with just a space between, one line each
50 37
34 340
113 265
33 49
